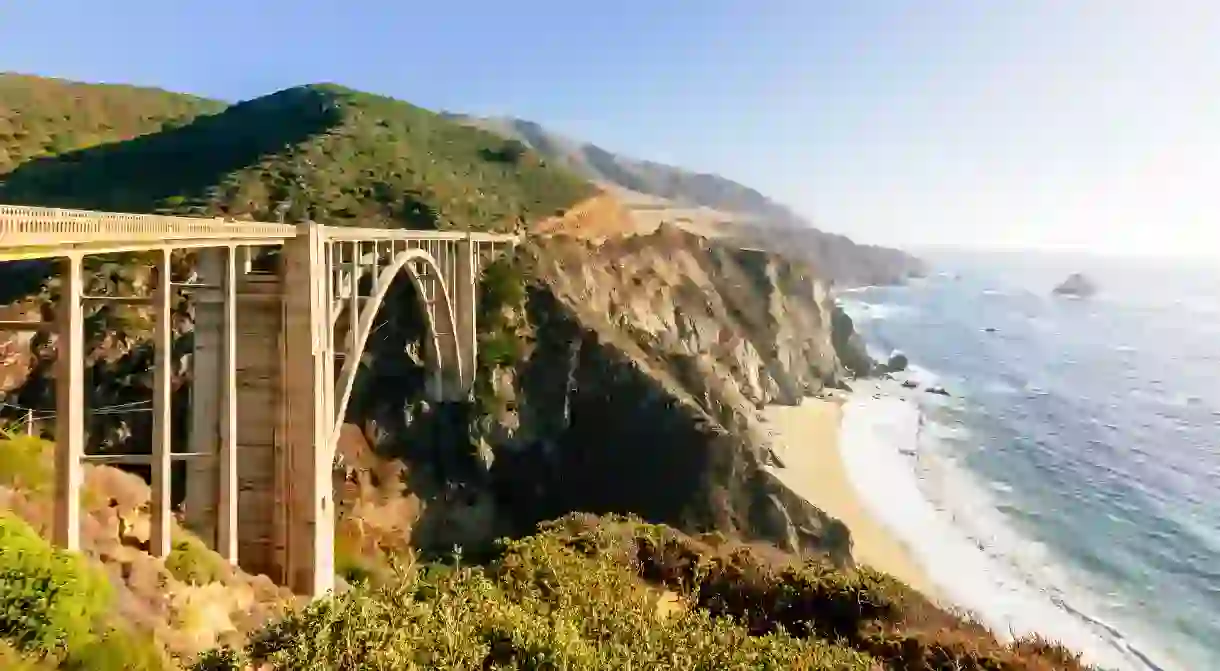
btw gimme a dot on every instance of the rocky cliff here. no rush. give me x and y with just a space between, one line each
635 389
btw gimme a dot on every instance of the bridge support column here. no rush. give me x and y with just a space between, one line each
206 382
465 294
227 534
211 484
69 406
160 535
307 459
260 487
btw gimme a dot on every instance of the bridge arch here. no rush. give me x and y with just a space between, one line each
442 355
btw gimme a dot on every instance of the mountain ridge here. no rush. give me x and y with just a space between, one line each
639 175
732 210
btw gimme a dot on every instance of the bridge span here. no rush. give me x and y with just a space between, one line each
276 352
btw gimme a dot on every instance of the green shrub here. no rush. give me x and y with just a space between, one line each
24 463
501 288
193 563
584 593
118 650
49 599
769 593
12 660
539 607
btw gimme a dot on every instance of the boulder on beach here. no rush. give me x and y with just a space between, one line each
897 363
1076 285
939 391
910 384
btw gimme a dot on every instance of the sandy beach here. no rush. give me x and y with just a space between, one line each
806 440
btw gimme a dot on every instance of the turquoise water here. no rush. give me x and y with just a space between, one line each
1091 428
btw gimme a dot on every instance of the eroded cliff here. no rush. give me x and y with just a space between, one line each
627 378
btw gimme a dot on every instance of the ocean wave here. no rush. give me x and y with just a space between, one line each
863 311
955 529
923 377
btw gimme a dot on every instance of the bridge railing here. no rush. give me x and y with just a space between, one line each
33 231
357 234
32 226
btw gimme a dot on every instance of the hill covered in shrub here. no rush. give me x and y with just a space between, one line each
44 117
319 152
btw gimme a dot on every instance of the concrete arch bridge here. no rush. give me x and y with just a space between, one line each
276 354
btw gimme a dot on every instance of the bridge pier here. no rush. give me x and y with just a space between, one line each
69 404
465 277
259 435
308 393
201 502
211 493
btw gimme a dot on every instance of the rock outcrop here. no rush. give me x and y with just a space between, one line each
897 362
637 391
1076 285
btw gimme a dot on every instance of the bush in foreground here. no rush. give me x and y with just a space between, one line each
463 618
54 611
49 599
614 593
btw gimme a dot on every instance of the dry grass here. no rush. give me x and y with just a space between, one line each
157 609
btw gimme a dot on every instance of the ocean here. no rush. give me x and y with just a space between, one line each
1070 483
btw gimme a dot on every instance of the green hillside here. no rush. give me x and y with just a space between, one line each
319 152
43 117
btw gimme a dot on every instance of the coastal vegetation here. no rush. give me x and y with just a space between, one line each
320 152
582 592
44 118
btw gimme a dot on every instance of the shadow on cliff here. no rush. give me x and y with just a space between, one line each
604 436
440 468
138 175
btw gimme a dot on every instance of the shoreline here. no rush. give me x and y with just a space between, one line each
807 439
878 436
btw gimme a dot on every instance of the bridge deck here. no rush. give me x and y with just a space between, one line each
40 232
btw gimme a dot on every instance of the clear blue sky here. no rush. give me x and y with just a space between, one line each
997 123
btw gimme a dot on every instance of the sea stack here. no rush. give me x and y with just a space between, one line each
1076 285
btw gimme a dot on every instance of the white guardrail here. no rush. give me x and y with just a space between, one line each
38 229
35 226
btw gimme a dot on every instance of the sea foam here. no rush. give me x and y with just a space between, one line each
964 546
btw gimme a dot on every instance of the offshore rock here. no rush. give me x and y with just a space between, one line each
1076 285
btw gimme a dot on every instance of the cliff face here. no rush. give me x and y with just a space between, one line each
637 390
730 327
652 357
